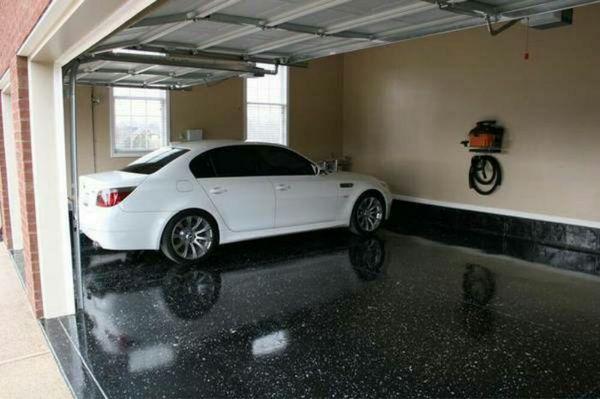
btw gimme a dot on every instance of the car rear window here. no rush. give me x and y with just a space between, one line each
156 160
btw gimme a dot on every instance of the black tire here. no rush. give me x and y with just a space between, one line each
356 226
168 247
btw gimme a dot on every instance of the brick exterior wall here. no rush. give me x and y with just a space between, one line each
20 105
17 19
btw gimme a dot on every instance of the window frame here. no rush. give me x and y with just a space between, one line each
286 134
136 154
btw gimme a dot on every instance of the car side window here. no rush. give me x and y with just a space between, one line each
201 167
235 161
279 161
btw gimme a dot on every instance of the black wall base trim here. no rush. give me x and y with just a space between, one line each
559 245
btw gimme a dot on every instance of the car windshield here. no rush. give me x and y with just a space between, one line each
154 161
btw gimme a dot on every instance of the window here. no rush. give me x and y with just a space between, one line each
267 108
201 167
250 160
139 119
235 161
154 161
281 162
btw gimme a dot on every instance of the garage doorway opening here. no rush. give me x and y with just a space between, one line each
177 46
122 280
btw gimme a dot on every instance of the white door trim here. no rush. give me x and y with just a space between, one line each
12 179
66 29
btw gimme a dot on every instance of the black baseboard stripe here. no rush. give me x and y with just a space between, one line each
560 245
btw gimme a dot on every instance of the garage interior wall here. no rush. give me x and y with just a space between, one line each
407 106
315 115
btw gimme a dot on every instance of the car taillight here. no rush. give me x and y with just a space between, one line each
112 196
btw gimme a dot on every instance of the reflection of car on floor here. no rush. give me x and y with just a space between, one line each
187 198
196 304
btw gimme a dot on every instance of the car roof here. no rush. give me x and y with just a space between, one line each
204 145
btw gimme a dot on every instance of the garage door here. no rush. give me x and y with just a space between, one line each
180 44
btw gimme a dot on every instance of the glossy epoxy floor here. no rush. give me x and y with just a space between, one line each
327 314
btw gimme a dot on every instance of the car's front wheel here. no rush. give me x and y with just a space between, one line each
189 237
368 214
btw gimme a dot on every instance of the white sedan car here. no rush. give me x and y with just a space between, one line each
187 198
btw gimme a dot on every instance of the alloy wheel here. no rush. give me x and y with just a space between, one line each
192 237
369 214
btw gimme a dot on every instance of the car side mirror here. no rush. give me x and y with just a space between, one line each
318 171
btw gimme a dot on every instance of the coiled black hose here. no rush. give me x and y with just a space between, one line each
479 171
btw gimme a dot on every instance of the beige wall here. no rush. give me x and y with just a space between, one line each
407 106
218 109
316 108
314 125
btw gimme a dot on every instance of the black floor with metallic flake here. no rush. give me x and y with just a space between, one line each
327 314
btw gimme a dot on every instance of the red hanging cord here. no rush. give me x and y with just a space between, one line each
526 54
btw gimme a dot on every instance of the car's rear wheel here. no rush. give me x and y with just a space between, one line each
368 214
190 236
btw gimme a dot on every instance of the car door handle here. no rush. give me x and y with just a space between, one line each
282 187
218 190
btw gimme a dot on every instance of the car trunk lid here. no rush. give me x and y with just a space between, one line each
90 185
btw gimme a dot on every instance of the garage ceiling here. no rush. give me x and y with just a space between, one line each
178 44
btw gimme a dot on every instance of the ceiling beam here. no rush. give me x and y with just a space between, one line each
174 74
208 82
201 12
231 55
134 72
288 26
324 47
472 8
288 41
133 85
87 71
164 29
158 74
217 53
246 30
397 12
389 35
306 9
187 61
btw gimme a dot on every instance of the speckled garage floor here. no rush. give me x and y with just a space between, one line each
327 314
